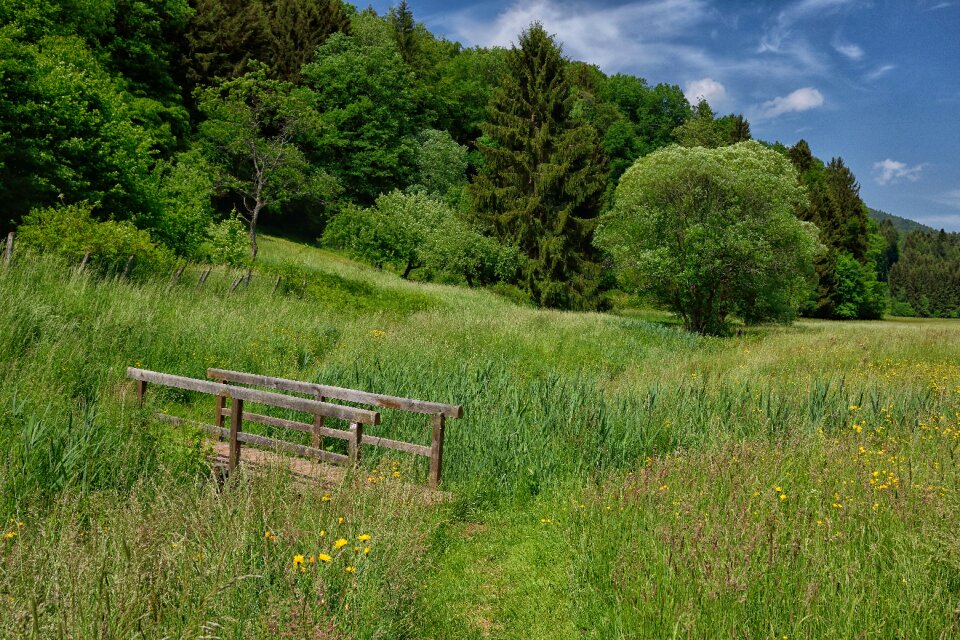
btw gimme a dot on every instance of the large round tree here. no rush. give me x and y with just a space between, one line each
711 233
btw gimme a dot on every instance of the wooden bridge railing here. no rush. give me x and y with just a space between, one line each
439 412
318 407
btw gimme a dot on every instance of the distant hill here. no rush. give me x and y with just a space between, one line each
903 225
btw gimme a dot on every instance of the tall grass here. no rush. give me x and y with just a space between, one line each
560 407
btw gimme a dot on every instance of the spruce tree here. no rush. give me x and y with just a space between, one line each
298 27
404 31
542 181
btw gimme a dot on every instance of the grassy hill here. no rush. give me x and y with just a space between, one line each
903 225
612 477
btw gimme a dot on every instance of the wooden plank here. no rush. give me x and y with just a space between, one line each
178 273
436 451
317 440
259 441
203 276
356 439
236 283
339 393
8 250
340 434
407 447
141 391
236 424
221 411
306 405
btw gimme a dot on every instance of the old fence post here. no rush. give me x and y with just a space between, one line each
221 405
126 269
203 276
356 439
317 440
275 285
436 451
178 273
141 391
83 263
8 251
236 425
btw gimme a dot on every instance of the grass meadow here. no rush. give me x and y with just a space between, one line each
613 477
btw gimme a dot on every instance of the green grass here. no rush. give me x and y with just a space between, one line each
558 525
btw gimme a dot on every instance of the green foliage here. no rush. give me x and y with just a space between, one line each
441 164
711 233
253 137
71 231
228 242
858 294
543 176
185 188
701 129
67 130
927 275
368 104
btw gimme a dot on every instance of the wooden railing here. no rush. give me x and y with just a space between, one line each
439 412
318 407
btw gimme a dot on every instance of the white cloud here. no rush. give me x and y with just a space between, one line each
880 71
633 35
802 99
850 50
708 89
949 198
892 171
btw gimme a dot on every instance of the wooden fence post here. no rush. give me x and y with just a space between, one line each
178 273
275 285
126 269
236 283
236 425
83 263
203 276
141 391
356 439
317 440
436 451
249 275
8 252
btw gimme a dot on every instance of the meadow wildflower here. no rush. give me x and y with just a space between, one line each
298 561
268 536
351 569
363 537
340 543
323 557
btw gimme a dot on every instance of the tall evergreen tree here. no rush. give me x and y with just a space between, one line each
223 36
298 27
543 177
404 31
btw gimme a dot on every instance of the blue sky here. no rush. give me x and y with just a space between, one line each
876 82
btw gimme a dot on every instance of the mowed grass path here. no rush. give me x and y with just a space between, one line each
613 477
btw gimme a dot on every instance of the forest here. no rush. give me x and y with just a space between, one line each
176 130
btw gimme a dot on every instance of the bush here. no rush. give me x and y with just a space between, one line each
71 231
902 309
228 243
858 292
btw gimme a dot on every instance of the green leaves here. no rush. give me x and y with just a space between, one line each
711 233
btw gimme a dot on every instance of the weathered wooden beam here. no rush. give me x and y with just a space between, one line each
276 284
126 269
339 393
236 425
406 447
306 405
83 263
436 451
204 275
141 391
356 439
178 273
258 441
340 434
317 440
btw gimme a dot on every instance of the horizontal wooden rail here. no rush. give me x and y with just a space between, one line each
339 434
315 407
250 438
339 393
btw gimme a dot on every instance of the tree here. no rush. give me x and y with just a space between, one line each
711 233
297 28
404 31
701 130
543 176
441 163
253 135
369 104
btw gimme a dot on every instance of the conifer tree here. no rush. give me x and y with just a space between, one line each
298 27
543 176
404 31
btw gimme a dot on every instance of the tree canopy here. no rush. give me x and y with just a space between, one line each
711 233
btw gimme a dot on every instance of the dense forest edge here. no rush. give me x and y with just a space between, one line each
175 130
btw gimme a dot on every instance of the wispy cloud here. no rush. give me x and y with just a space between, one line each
949 198
708 89
879 72
893 171
848 49
802 99
940 5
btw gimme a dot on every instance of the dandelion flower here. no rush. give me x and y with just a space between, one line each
351 569
10 535
363 537
323 557
340 520
366 550
323 532
298 560
340 543
326 498
783 497
778 489
268 535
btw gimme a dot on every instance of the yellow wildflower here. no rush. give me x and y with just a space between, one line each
298 560
783 497
323 557
10 535
340 543
366 550
268 535
363 537
351 569
326 498
340 520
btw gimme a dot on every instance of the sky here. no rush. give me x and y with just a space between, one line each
874 82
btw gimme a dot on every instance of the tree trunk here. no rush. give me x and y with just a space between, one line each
253 230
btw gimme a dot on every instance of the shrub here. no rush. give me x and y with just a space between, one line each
228 243
71 231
